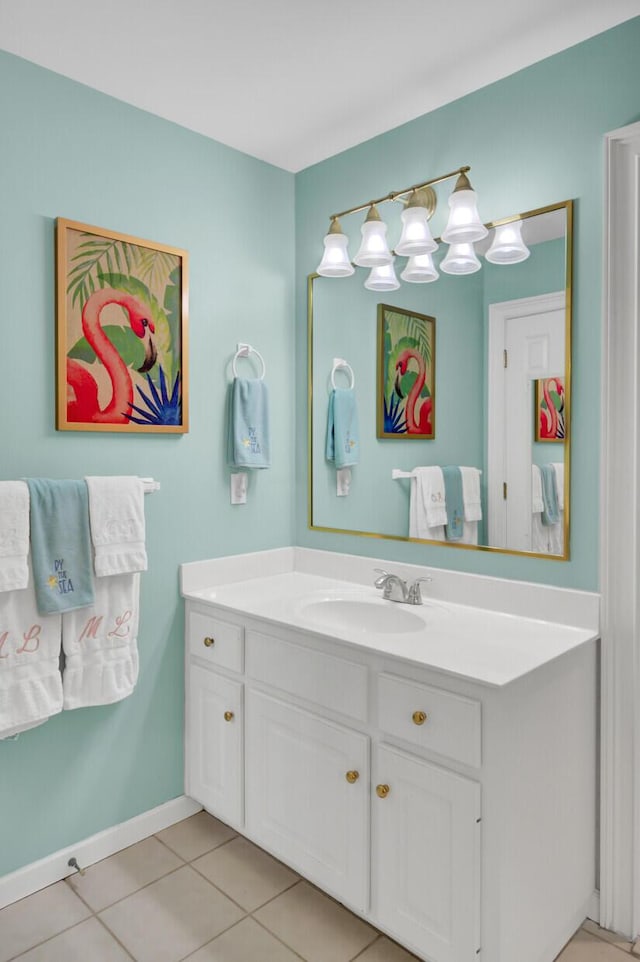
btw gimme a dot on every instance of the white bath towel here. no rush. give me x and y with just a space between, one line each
14 535
471 494
100 644
558 467
30 682
429 492
537 504
116 514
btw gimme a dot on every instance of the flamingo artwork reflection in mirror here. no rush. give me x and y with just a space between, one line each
406 365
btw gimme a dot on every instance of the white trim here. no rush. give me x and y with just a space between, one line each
593 912
499 314
54 867
620 538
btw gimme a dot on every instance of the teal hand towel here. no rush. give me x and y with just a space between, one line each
343 439
454 502
60 545
550 510
249 442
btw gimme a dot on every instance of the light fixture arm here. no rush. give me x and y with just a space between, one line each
400 193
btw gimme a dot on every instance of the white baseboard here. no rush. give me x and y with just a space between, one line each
54 867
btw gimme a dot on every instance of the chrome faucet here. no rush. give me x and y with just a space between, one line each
395 589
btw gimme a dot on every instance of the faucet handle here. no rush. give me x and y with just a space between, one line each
381 581
415 595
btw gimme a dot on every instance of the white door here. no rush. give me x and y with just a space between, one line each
307 787
526 342
426 856
214 744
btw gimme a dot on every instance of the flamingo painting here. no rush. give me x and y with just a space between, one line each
550 409
417 409
406 358
82 394
121 332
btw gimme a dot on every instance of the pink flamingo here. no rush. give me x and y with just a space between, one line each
82 397
417 422
549 418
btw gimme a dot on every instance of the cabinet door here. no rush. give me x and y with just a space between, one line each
214 744
308 795
426 856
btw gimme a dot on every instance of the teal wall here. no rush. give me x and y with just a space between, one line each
69 151
532 139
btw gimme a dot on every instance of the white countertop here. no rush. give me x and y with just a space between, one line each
476 644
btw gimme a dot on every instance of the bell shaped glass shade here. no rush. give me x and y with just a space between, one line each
416 234
460 259
382 279
374 250
335 261
464 225
420 270
507 246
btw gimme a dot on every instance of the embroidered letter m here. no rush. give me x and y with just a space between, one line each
91 628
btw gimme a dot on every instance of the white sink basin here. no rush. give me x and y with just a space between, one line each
356 614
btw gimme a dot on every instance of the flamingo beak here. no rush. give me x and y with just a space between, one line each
150 357
397 385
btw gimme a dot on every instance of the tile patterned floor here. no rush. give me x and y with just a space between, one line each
197 892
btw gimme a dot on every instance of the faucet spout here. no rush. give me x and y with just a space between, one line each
394 588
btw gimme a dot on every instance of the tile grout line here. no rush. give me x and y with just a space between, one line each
277 937
115 938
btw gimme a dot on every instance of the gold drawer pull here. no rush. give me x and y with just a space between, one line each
352 777
382 791
208 642
419 717
228 716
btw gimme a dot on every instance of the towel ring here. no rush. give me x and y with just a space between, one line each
244 350
339 362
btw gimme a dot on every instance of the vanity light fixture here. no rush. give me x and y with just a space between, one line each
464 228
507 246
374 250
460 259
382 279
416 234
464 224
335 262
420 269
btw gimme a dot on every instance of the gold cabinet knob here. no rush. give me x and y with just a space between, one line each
352 777
419 717
228 716
208 642
382 791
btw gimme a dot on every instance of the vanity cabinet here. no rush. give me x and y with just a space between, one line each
307 784
456 816
426 827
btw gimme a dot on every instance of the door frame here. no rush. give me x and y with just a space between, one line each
499 314
620 538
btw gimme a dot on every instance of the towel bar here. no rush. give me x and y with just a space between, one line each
149 485
398 473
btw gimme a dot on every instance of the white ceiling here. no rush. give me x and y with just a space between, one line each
290 81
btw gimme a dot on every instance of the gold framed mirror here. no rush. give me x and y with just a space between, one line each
502 389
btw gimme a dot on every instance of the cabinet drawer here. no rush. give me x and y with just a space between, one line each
315 676
217 641
452 726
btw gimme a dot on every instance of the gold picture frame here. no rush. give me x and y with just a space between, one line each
121 332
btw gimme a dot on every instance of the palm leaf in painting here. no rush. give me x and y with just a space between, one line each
93 256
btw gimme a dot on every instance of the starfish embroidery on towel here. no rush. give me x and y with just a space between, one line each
52 581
